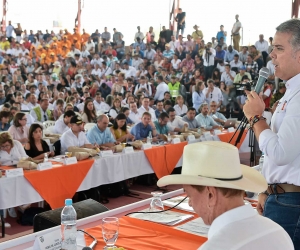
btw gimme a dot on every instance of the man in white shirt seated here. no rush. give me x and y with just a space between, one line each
129 70
145 107
134 115
176 123
216 194
236 63
137 61
161 88
75 137
218 117
62 125
213 93
99 105
228 76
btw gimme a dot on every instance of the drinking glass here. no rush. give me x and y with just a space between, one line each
156 204
169 138
110 231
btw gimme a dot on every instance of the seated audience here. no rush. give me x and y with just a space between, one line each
218 117
42 113
176 123
126 112
36 147
189 118
11 151
142 129
159 108
115 109
59 109
134 115
198 95
100 134
180 107
19 130
89 112
75 136
206 121
62 124
119 129
161 125
4 120
146 108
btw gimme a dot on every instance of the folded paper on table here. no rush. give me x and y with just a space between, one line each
195 226
182 206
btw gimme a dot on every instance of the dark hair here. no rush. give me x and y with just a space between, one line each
167 92
163 115
218 76
167 102
171 109
191 109
4 114
124 109
69 113
19 116
160 78
120 116
33 127
88 112
9 98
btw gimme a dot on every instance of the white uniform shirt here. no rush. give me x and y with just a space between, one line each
141 111
242 228
101 106
176 123
160 91
262 46
215 95
135 117
280 144
180 111
60 127
16 153
68 139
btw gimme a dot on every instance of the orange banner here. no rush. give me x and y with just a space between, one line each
59 183
138 234
157 160
173 154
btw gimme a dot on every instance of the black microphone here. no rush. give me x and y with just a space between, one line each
263 76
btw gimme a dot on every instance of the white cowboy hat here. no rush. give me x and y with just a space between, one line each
195 26
215 164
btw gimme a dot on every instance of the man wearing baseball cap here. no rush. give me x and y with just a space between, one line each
214 180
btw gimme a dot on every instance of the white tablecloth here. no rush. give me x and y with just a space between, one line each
17 191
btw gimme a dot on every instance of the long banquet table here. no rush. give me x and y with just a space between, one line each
17 191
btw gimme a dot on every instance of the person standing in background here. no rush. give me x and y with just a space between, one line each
235 33
180 19
9 31
222 33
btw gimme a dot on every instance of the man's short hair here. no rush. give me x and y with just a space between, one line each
160 78
191 109
146 114
167 92
202 106
171 109
163 115
69 113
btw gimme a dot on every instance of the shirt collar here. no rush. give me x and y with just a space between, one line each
233 215
293 82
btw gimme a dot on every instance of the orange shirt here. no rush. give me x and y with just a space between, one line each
64 52
56 51
52 59
76 35
67 43
39 52
85 37
77 45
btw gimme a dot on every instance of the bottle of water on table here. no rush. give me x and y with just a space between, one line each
149 138
46 157
68 226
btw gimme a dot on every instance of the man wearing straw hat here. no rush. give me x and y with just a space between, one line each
197 33
214 181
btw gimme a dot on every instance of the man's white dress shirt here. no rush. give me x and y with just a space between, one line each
141 111
135 117
242 228
160 91
280 144
176 123
60 127
101 106
68 139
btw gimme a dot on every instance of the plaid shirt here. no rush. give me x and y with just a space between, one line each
252 68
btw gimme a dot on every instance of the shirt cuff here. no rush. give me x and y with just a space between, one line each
264 138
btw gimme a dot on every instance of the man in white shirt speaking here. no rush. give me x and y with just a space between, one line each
280 142
214 181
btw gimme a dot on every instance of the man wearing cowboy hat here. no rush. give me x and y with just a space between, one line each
214 180
197 33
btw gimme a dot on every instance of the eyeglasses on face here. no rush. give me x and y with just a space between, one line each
5 146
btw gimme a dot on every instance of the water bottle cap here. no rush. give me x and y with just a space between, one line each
68 202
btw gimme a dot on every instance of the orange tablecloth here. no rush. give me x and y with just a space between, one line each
226 136
59 183
163 159
136 234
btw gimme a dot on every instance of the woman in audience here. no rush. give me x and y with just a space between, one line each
9 97
126 112
89 112
72 70
59 109
119 85
63 83
180 107
116 108
119 129
198 97
19 130
197 76
216 76
4 120
109 100
36 147
158 62
225 93
11 151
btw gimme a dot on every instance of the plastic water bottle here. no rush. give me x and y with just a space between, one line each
149 138
261 163
68 226
45 157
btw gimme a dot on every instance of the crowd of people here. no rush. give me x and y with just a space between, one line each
157 85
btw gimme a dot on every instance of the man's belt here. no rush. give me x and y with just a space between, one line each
283 188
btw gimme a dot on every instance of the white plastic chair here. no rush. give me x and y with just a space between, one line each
48 130
47 124
88 126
